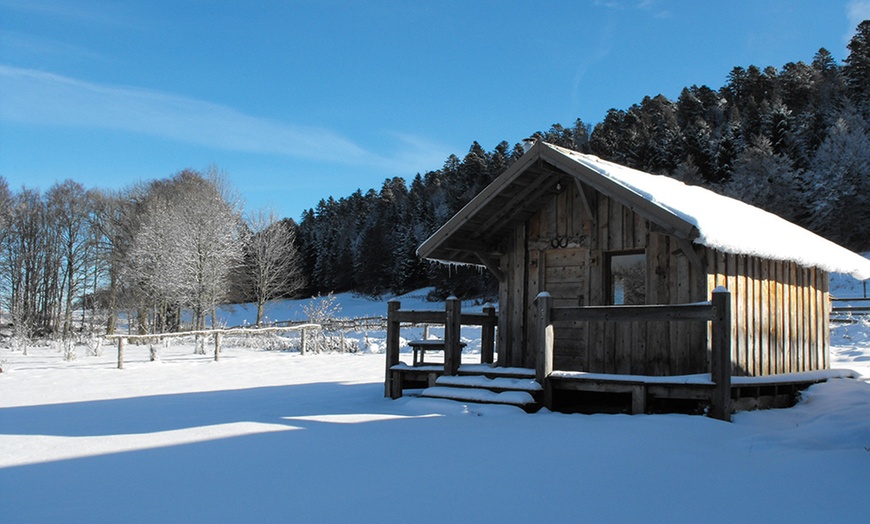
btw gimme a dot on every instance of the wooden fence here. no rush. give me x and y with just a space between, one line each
717 311
217 333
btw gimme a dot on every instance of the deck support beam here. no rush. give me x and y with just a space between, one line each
392 382
452 347
545 340
720 355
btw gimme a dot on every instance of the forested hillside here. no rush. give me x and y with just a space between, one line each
794 141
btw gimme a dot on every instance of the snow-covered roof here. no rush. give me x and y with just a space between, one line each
690 212
729 225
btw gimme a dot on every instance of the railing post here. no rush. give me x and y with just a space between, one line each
487 335
392 387
121 341
303 341
217 345
720 355
452 325
544 367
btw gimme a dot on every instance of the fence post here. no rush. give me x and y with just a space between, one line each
720 355
217 345
487 335
452 325
121 341
303 341
392 386
544 365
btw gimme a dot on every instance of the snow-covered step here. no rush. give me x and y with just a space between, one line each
495 371
484 396
497 384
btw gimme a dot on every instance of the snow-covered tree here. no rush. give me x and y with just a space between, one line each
838 181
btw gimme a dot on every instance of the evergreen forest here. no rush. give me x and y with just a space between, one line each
793 140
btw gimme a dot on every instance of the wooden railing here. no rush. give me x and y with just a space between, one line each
452 318
717 311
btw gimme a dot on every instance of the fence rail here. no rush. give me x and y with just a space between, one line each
217 333
847 313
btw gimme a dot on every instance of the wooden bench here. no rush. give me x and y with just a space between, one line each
420 348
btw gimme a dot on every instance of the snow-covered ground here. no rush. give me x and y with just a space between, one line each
272 436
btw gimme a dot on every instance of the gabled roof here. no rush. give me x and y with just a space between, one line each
690 213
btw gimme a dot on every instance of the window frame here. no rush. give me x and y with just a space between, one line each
609 290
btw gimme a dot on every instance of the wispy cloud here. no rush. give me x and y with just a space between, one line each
651 6
44 99
857 11
102 13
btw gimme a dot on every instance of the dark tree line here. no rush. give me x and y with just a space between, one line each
794 141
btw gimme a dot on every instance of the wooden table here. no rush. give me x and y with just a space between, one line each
420 348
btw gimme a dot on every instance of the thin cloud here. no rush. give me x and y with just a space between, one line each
44 99
106 14
857 11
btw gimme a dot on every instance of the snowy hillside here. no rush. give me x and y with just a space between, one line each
272 436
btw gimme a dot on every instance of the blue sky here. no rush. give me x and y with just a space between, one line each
297 101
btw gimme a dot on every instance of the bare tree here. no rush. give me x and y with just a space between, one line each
67 208
272 266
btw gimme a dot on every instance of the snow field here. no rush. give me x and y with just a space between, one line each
272 436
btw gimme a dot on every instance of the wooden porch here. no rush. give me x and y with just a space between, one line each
716 393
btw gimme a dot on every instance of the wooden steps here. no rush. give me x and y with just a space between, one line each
509 386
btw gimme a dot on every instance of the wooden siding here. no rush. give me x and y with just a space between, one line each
780 310
562 250
780 313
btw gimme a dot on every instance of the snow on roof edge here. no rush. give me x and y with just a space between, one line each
748 230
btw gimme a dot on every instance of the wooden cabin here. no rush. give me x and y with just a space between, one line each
593 233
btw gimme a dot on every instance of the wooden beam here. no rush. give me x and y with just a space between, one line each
689 250
672 223
511 205
720 356
584 200
491 265
701 311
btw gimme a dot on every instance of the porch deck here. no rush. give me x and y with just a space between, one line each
717 393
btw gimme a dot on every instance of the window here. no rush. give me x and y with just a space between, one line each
627 278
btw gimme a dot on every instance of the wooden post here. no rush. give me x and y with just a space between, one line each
487 335
452 325
392 385
303 341
544 365
121 341
217 346
426 332
720 356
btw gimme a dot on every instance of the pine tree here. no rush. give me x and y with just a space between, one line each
857 68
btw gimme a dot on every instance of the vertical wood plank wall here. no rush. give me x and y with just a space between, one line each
780 313
573 274
780 309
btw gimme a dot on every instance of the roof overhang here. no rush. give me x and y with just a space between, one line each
474 234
